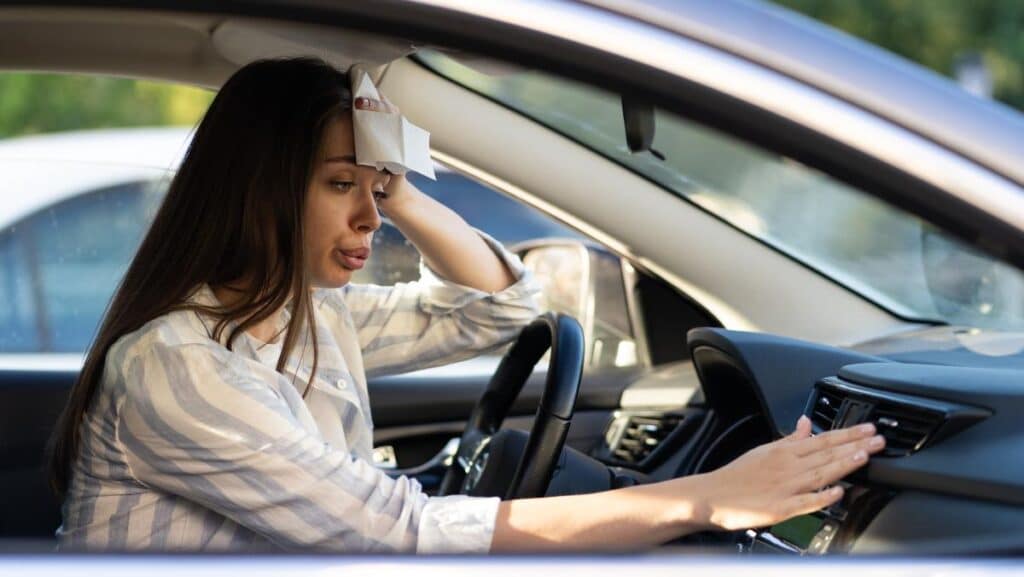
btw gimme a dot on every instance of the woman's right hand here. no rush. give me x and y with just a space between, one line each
767 485
783 479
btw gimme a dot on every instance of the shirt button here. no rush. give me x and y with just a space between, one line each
340 383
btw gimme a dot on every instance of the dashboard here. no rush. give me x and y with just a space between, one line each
950 481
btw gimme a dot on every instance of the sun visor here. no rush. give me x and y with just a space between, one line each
242 41
384 140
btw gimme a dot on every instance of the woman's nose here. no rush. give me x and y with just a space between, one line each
367 218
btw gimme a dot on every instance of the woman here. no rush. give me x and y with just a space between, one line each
224 400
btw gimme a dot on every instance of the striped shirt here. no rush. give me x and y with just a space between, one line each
190 446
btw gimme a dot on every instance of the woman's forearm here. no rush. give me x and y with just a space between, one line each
766 485
449 245
625 519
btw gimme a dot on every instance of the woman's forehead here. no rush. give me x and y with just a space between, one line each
338 140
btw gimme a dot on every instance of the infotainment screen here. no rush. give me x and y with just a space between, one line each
799 531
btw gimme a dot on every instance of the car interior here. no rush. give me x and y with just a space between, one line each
693 340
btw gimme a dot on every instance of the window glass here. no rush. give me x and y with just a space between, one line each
74 205
613 340
63 263
595 279
85 161
507 220
18 329
883 253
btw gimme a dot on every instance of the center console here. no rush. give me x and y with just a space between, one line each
831 530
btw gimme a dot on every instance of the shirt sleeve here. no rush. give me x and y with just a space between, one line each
194 425
434 321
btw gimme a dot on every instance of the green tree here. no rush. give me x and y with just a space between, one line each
935 33
35 103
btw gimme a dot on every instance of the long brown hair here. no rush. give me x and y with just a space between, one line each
233 211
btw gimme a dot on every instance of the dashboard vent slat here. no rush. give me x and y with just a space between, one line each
906 429
908 423
826 409
641 436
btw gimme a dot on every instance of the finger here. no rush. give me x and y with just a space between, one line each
834 438
837 469
802 430
363 103
805 503
816 475
871 445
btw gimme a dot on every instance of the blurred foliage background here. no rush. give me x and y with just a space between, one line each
936 33
34 103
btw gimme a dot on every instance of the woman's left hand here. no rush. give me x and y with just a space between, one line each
382 105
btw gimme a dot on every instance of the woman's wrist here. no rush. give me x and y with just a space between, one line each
679 504
401 198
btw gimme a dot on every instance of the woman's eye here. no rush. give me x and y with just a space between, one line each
380 195
342 185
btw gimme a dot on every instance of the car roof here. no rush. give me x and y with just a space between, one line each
872 78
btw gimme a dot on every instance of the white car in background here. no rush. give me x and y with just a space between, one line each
75 205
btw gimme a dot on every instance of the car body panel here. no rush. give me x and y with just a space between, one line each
961 195
872 78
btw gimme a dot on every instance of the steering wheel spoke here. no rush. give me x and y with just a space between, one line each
469 450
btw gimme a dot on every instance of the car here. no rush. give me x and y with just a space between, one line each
779 220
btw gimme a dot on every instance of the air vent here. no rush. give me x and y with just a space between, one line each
906 429
641 435
908 423
826 409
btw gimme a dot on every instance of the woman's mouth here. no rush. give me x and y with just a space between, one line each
353 259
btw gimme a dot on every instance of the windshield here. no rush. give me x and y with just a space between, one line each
891 257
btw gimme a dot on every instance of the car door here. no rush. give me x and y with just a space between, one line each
56 275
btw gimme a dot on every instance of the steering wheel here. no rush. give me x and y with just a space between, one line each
483 463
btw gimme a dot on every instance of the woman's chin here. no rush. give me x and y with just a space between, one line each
337 277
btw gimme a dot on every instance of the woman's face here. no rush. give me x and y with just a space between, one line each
341 208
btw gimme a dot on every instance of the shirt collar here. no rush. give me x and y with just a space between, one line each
204 296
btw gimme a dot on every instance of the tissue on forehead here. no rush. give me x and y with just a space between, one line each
387 140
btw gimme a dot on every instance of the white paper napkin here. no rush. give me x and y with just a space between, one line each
384 140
